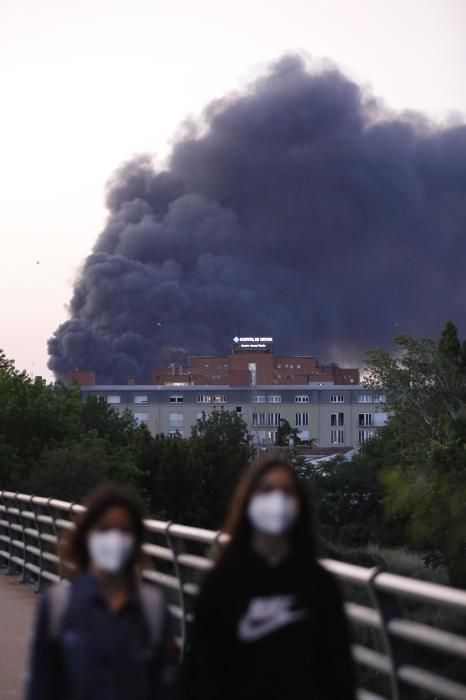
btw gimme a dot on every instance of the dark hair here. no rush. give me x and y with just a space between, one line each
74 548
239 528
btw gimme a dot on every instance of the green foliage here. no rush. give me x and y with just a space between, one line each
220 448
190 480
407 486
286 433
7 366
53 443
351 501
424 476
170 483
71 470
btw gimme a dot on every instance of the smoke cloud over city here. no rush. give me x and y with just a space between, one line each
300 208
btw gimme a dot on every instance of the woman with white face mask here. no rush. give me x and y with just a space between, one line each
269 623
106 634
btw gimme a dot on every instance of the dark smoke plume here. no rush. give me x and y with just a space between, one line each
301 209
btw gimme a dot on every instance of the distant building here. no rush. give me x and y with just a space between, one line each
333 416
252 362
82 377
325 403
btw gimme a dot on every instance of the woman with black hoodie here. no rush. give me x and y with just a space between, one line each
269 623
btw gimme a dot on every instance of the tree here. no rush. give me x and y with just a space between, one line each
117 428
425 386
7 366
285 433
171 485
53 443
219 450
71 470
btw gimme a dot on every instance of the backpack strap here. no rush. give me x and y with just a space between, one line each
153 605
58 597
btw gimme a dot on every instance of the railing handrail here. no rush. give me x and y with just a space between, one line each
30 528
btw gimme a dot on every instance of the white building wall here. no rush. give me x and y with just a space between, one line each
167 410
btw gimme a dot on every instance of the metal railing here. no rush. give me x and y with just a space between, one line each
388 642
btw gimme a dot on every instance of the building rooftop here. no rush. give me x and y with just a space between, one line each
222 387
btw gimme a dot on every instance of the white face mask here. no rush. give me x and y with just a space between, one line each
273 512
110 550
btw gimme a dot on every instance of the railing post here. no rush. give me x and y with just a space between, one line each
6 535
24 522
389 608
8 519
52 514
175 549
43 531
12 520
35 510
61 563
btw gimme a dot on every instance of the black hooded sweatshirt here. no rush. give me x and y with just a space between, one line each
267 631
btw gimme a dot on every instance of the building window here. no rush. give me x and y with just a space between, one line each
201 416
259 398
365 419
114 399
176 420
176 399
380 398
302 419
337 398
141 418
239 409
259 419
219 398
273 419
301 398
337 437
279 366
141 399
365 398
365 435
275 398
337 419
204 398
298 366
174 433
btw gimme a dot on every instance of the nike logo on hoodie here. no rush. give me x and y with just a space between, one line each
267 615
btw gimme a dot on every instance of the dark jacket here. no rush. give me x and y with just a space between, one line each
268 632
97 654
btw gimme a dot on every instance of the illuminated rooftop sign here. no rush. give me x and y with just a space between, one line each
256 342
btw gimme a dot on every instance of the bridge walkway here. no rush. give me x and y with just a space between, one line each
17 609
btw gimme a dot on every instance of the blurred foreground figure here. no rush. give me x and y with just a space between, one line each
269 622
105 636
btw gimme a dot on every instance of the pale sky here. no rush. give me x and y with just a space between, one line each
85 85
